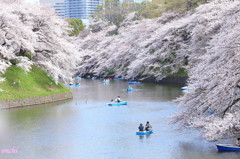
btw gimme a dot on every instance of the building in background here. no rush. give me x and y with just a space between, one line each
80 9
60 9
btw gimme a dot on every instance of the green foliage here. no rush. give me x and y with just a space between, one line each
140 74
181 73
167 71
115 12
169 59
14 61
26 54
4 58
157 7
76 26
111 71
21 84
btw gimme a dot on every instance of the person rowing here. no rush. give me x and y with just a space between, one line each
148 126
118 99
238 142
112 101
141 127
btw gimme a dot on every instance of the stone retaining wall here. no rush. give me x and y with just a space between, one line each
35 100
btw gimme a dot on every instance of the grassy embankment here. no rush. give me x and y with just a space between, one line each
21 84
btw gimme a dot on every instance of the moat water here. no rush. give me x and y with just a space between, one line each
86 128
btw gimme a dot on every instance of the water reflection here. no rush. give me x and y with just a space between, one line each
148 136
141 137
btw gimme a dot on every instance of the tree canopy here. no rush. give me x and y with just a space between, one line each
76 26
115 12
34 34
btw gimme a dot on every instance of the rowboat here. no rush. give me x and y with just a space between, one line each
188 124
129 89
133 83
118 79
144 132
74 84
105 81
117 104
227 147
184 88
210 112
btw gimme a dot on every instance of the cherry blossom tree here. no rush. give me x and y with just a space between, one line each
204 42
36 29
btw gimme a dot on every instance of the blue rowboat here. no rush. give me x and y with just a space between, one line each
133 83
105 81
184 88
144 132
227 147
74 84
129 89
210 112
117 104
188 124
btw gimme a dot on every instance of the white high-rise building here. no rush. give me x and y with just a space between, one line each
81 9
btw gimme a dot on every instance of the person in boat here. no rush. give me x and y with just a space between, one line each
148 126
112 101
71 80
118 99
129 87
141 127
238 142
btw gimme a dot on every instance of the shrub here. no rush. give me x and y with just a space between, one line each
14 61
28 55
76 26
